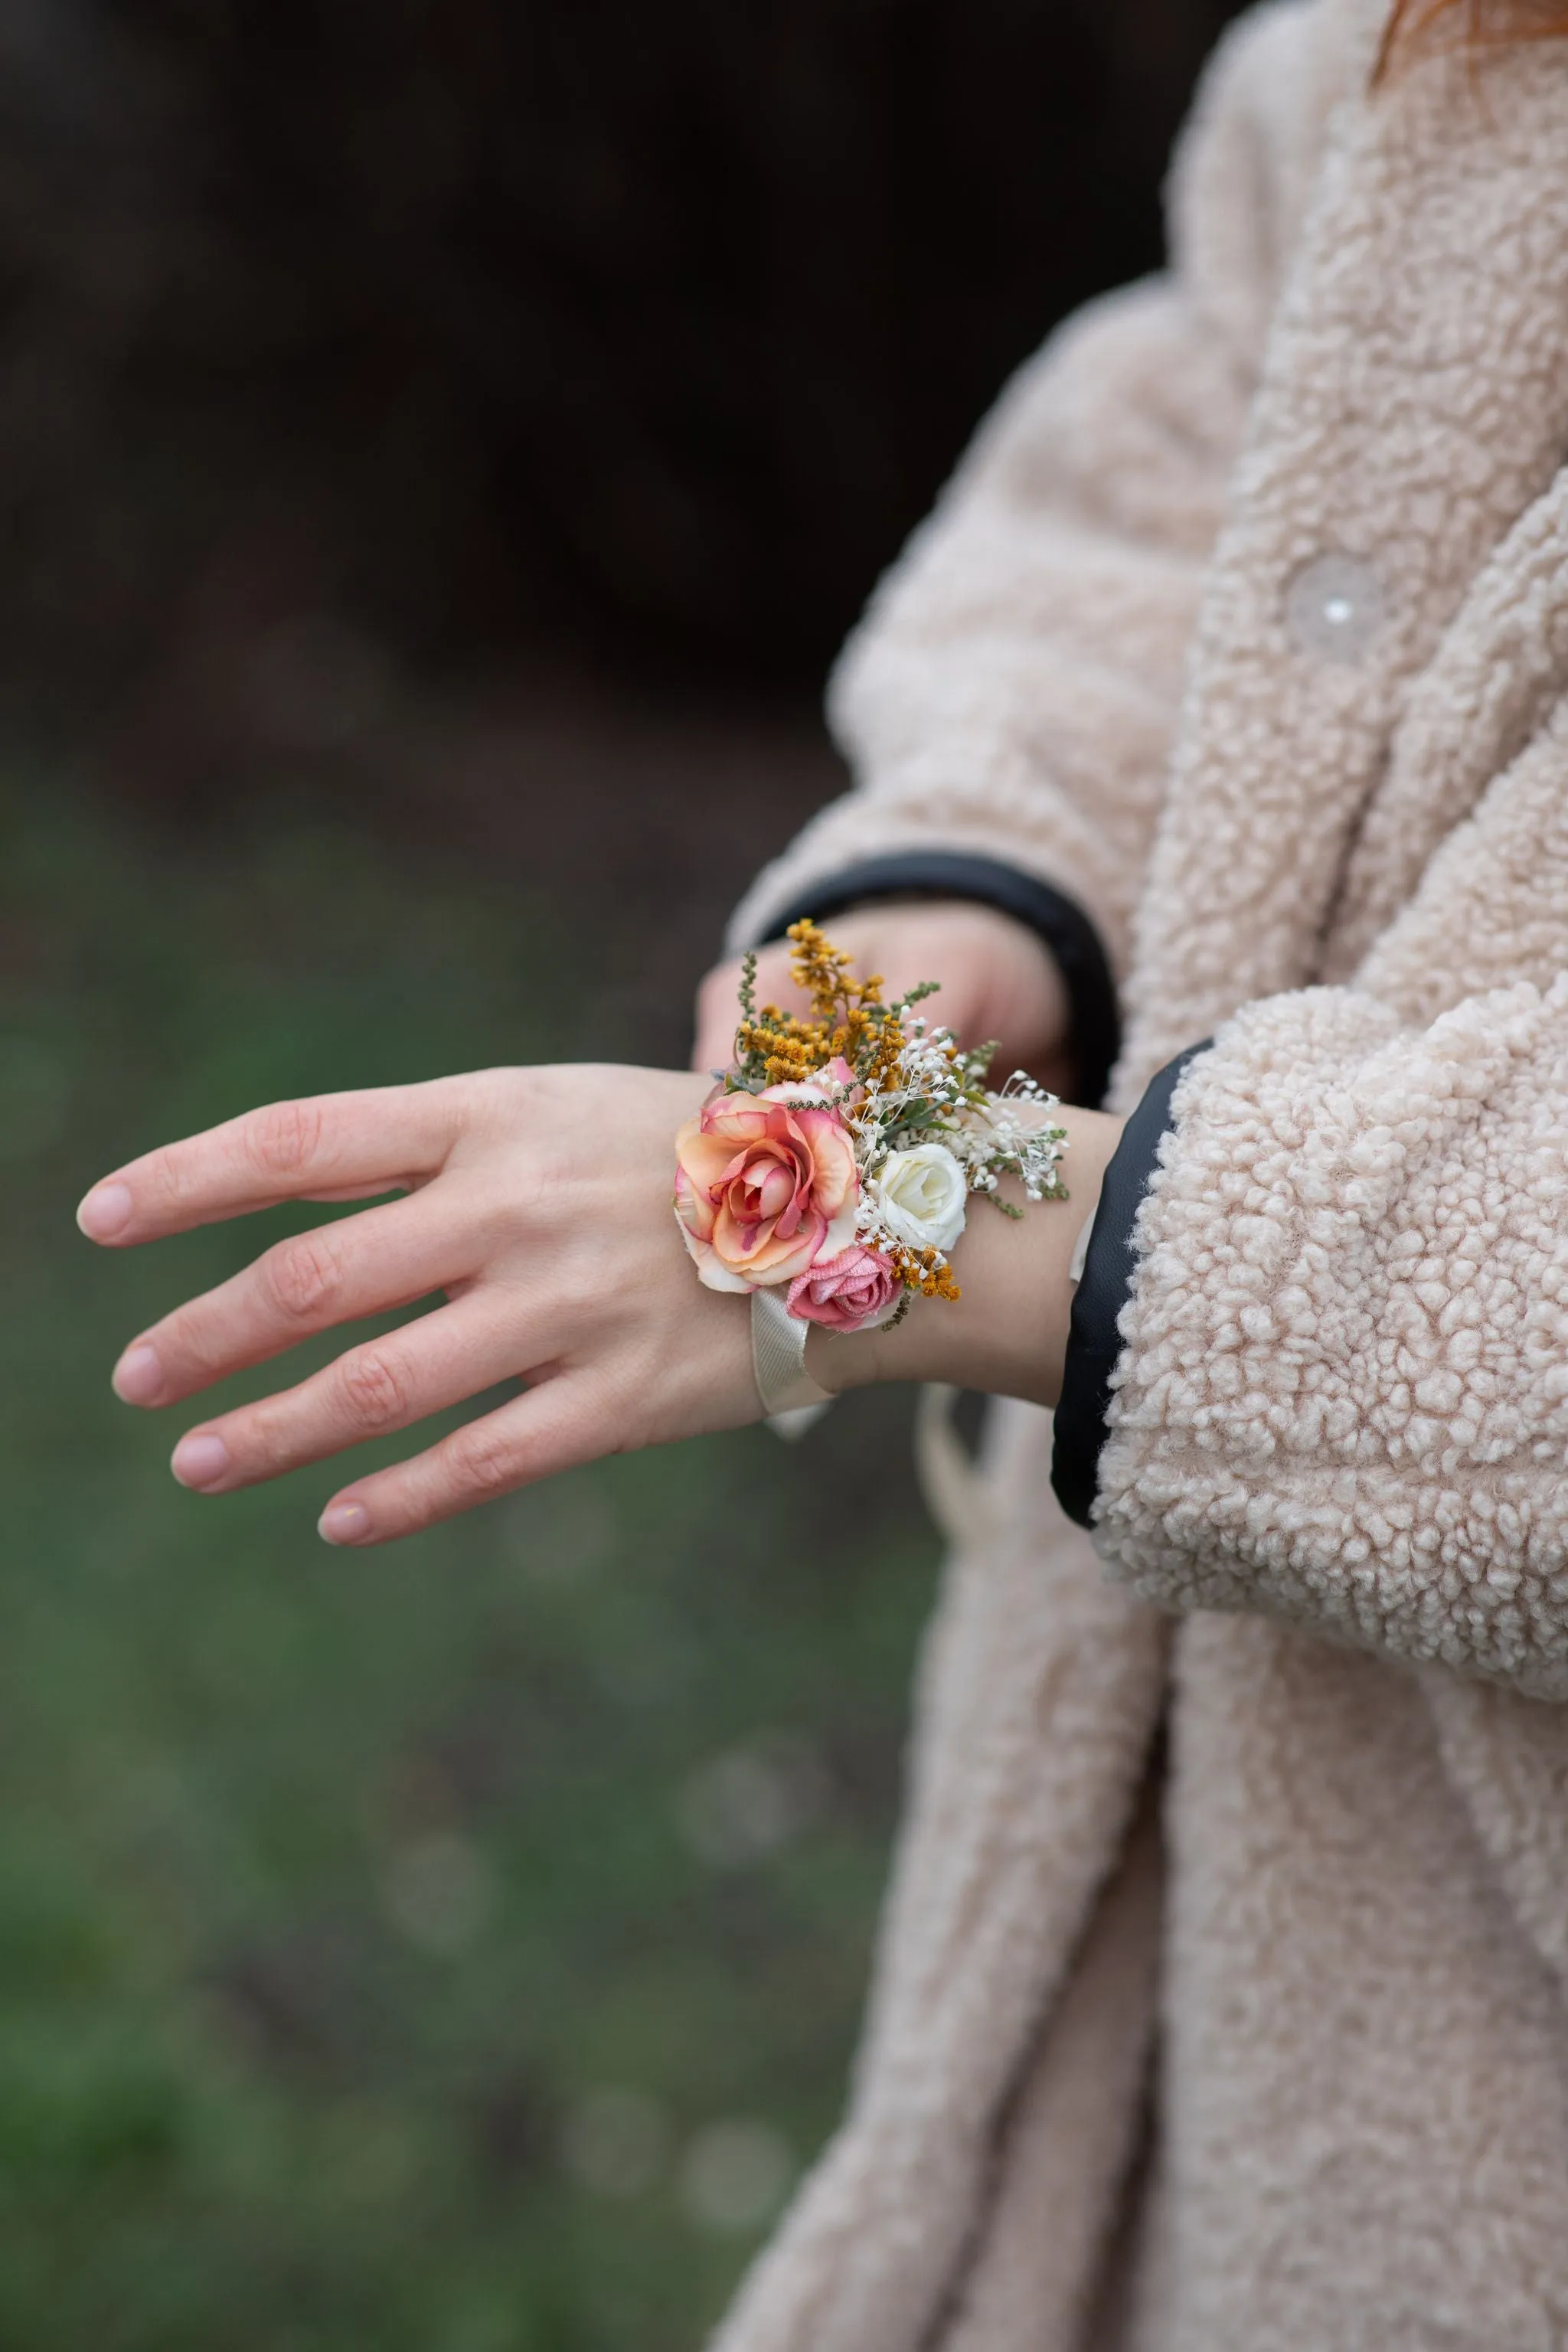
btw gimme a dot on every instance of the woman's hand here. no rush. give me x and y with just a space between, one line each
998 979
538 1200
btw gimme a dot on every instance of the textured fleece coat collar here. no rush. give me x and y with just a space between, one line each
1336 1468
1413 407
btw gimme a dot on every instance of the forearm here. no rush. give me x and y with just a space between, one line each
1006 1334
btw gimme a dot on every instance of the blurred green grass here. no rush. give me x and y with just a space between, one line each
456 1947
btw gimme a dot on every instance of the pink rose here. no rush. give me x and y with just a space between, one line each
845 1293
762 1188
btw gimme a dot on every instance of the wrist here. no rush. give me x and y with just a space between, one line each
1006 1334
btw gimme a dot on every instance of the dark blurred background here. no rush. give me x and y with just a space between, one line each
441 447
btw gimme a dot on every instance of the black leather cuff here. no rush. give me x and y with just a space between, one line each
1094 1342
1061 921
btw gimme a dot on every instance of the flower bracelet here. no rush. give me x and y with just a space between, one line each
828 1175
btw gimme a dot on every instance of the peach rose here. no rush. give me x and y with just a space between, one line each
846 1292
762 1188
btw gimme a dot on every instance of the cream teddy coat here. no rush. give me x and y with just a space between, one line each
1222 2000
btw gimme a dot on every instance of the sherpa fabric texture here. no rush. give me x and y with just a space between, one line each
1336 1463
1343 1395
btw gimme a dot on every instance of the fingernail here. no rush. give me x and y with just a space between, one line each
138 1376
343 1523
199 1461
105 1212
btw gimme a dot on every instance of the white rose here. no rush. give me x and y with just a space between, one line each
922 1195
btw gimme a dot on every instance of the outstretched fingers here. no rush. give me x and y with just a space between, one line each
384 1258
386 1383
559 1425
374 1140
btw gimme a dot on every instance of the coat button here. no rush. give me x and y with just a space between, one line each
1334 607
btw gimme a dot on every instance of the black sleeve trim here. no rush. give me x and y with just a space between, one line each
1059 920
1094 1343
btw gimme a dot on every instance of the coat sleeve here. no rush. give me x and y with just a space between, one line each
1342 1393
1012 690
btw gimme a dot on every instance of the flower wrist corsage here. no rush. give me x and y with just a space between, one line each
829 1172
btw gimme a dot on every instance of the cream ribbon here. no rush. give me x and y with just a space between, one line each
791 1399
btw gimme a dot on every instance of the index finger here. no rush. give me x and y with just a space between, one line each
371 1140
